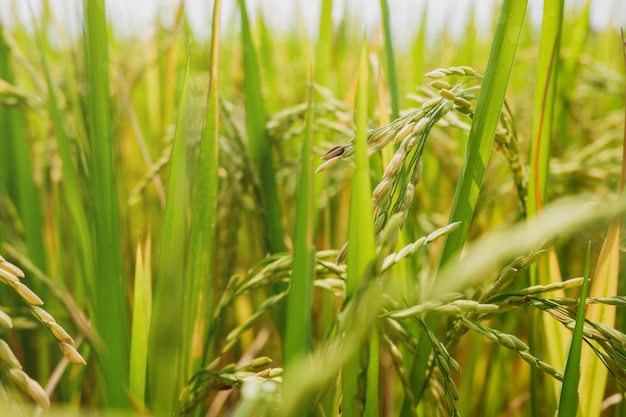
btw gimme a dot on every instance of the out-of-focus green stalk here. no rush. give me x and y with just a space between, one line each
544 330
323 47
299 301
260 146
568 404
360 236
140 330
391 61
16 172
372 402
621 315
110 297
545 91
200 282
488 109
166 343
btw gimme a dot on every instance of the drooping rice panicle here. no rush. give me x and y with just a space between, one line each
11 275
394 193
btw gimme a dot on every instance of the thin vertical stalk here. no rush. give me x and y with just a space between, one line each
488 109
391 61
360 236
260 146
299 300
545 91
199 277
165 332
543 116
110 297
140 330
17 165
568 405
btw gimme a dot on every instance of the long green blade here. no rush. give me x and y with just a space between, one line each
140 330
391 61
17 166
260 146
360 234
488 109
110 298
545 91
166 326
299 301
568 404
545 332
199 277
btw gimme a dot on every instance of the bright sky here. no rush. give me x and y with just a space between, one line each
138 16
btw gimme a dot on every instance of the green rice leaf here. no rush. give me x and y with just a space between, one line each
110 297
545 90
260 146
373 374
488 109
360 231
299 301
140 330
166 326
391 61
17 166
568 404
545 332
200 283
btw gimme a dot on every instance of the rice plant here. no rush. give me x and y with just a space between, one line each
273 224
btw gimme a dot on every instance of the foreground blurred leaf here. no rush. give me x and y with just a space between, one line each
360 234
568 405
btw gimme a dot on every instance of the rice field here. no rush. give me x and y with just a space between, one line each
269 223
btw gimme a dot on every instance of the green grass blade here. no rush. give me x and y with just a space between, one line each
18 167
545 91
568 404
323 65
606 281
111 310
545 332
391 61
360 227
569 74
607 275
166 326
5 114
71 190
198 292
299 301
621 315
360 231
488 108
323 48
260 146
372 394
419 52
140 330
